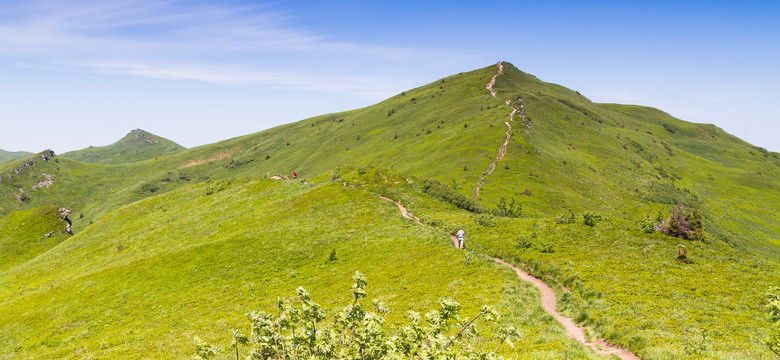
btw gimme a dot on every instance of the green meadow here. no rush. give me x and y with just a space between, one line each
188 264
173 243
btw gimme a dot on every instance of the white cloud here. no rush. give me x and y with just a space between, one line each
184 40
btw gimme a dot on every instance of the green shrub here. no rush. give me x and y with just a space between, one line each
772 339
682 254
772 303
647 226
590 218
546 247
569 218
148 188
485 220
445 193
525 241
332 256
335 174
218 186
300 330
509 209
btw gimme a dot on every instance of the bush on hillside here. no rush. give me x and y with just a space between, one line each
510 208
218 186
569 218
647 225
772 339
445 193
590 218
299 330
148 188
525 241
683 223
772 305
485 220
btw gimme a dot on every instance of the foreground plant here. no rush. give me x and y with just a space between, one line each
772 304
299 331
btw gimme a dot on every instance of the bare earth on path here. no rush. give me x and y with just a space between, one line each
502 148
548 299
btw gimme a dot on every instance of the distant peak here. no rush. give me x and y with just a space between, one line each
137 133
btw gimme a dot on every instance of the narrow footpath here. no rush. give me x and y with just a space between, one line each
548 299
516 109
502 148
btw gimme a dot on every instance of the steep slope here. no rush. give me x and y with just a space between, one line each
12 155
137 145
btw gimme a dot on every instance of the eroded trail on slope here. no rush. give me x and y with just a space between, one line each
516 109
548 299
499 157
502 147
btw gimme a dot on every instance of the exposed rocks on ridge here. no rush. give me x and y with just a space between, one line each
64 216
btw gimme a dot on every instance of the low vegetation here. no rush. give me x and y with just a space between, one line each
301 329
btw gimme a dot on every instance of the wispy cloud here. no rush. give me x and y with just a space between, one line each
203 41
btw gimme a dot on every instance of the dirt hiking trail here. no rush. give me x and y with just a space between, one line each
516 109
548 299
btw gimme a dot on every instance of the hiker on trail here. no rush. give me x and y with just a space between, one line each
461 234
295 175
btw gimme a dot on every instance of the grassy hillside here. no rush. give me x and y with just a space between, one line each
29 233
46 179
628 285
625 167
576 155
12 155
188 263
137 145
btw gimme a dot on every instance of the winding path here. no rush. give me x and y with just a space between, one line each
502 148
499 157
492 81
516 110
548 299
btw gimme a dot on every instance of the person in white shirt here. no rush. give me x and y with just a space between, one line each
461 235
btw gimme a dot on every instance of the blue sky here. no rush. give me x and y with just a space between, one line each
81 73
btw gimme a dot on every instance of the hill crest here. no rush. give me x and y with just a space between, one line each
137 145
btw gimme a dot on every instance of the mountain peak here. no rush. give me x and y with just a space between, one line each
139 134
137 145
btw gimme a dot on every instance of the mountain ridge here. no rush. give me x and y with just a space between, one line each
575 192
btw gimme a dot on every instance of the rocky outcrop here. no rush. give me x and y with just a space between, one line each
140 134
46 155
46 183
64 216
